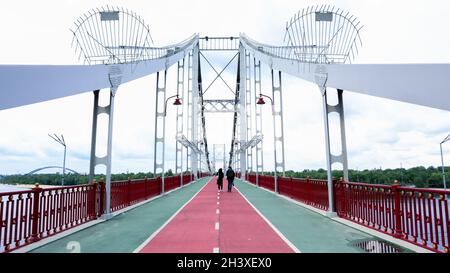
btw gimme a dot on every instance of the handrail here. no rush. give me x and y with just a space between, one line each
420 216
28 216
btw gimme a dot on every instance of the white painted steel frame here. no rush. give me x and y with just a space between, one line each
179 121
259 155
105 160
242 110
278 126
331 159
115 77
218 106
195 108
189 112
160 126
249 109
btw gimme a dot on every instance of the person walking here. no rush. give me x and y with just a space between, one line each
220 179
230 178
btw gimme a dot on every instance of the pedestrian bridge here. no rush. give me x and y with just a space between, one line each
197 218
185 212
194 217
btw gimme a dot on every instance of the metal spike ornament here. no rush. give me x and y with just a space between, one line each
323 34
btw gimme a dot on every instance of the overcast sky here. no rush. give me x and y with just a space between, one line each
380 132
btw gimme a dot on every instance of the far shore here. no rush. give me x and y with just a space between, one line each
30 186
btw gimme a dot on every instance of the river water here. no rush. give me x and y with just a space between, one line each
10 188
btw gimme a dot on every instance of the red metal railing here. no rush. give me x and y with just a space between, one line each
201 175
366 204
28 216
425 217
252 178
130 192
313 192
31 215
419 216
187 178
267 182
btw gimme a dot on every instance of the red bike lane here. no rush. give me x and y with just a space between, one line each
217 222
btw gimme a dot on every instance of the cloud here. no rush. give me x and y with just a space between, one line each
10 151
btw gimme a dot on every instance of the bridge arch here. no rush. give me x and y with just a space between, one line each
51 167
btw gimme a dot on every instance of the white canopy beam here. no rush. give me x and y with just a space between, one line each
421 84
26 84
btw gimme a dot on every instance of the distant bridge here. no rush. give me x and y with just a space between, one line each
49 167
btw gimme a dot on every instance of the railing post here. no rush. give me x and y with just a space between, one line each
35 217
340 189
291 192
397 212
275 182
102 197
309 191
145 187
335 193
160 185
129 191
93 199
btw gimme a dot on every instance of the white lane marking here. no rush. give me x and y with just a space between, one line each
289 243
216 250
217 211
217 226
218 203
218 197
139 248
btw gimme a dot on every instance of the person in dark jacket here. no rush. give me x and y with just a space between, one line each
230 178
220 179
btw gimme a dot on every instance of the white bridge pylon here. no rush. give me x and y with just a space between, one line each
324 62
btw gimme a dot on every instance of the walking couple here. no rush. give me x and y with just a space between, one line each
230 177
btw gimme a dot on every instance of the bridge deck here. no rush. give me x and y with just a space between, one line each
193 229
217 221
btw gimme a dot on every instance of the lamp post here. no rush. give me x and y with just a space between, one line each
201 151
262 102
236 145
63 143
176 102
447 138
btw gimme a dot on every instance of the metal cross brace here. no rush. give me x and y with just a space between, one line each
252 143
186 143
219 106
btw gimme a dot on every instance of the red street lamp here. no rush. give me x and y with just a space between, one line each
176 102
261 99
262 102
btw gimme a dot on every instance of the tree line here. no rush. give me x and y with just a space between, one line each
420 177
54 179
